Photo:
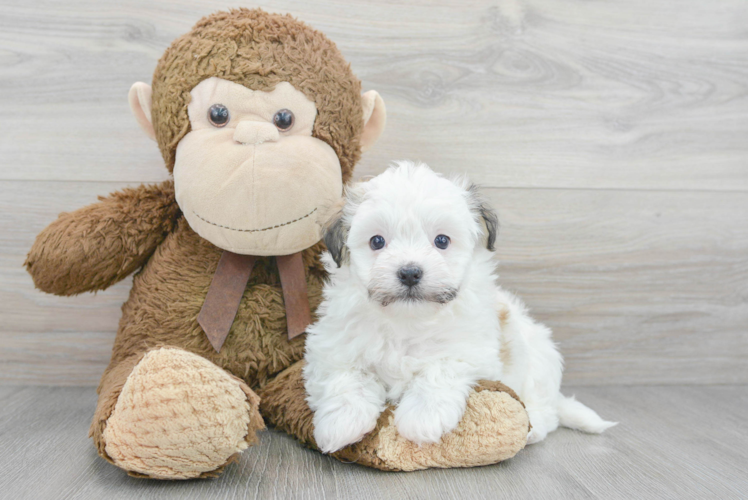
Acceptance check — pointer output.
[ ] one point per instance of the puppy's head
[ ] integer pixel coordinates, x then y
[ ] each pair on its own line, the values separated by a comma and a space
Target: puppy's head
409, 234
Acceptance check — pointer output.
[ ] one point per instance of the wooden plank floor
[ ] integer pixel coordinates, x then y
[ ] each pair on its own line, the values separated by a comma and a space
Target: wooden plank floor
673, 442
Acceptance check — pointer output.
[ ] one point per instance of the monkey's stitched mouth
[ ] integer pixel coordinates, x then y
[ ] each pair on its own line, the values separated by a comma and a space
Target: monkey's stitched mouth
254, 230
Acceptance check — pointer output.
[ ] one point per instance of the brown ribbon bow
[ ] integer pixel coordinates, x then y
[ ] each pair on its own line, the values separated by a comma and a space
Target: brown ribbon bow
227, 288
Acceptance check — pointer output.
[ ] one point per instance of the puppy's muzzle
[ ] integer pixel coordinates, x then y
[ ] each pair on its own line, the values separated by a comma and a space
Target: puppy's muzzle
410, 275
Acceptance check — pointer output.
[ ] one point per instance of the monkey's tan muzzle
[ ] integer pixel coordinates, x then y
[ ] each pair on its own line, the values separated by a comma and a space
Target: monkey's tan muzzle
254, 132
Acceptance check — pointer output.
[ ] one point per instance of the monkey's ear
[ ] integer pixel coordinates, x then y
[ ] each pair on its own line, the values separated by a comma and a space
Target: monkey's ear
335, 236
375, 117
485, 213
140, 105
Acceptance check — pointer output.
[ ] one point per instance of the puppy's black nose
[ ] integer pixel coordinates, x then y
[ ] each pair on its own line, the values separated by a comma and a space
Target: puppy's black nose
410, 275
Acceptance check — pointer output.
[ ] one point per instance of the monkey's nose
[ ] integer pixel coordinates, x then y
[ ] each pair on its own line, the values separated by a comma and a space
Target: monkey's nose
251, 132
409, 275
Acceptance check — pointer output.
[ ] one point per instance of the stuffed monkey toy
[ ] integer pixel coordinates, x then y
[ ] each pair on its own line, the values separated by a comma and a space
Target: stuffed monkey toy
261, 121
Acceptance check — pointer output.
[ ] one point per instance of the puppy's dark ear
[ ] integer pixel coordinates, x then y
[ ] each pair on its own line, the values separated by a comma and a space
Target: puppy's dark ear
335, 236
337, 226
492, 225
487, 214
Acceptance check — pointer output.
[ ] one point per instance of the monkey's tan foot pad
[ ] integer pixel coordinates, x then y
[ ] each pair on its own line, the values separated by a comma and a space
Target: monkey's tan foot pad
179, 416
494, 428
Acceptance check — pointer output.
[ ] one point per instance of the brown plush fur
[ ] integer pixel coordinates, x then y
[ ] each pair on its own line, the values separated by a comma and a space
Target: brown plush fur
259, 50
142, 228
95, 247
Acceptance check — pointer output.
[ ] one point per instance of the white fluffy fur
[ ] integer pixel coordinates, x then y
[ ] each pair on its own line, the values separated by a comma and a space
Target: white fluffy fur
372, 344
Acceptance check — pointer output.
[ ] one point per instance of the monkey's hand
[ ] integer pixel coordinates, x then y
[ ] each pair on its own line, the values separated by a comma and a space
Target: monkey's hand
98, 245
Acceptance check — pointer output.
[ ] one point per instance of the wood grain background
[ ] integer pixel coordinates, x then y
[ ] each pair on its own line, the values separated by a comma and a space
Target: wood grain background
612, 137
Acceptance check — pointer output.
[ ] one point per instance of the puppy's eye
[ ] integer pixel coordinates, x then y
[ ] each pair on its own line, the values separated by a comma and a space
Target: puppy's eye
283, 119
442, 241
218, 115
376, 242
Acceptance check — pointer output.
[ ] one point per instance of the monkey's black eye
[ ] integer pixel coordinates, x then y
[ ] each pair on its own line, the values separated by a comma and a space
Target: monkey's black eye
283, 119
376, 242
442, 241
218, 114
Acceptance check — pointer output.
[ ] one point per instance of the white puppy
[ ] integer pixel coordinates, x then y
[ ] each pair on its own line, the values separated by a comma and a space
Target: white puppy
413, 315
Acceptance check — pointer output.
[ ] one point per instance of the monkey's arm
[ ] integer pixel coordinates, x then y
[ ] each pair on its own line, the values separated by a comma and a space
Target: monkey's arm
98, 245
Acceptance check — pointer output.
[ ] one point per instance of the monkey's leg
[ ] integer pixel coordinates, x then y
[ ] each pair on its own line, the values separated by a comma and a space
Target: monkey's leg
494, 428
171, 414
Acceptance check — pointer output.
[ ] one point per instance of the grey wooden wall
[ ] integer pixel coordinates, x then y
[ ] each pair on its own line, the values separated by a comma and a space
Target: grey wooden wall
612, 137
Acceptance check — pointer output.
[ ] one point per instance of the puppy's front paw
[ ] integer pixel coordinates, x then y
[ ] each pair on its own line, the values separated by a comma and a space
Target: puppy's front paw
423, 423
344, 425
